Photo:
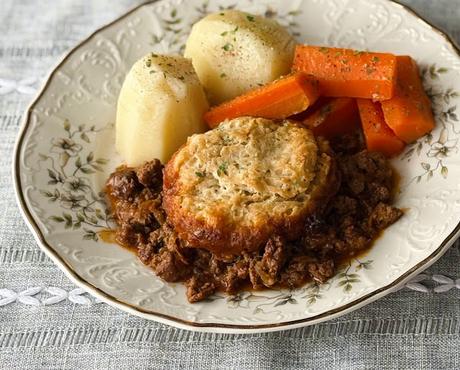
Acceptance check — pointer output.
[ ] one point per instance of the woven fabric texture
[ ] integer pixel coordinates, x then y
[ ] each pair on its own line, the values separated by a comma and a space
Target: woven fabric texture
47, 323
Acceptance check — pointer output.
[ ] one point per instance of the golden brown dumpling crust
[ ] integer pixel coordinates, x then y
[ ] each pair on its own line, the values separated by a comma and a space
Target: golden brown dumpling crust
231, 188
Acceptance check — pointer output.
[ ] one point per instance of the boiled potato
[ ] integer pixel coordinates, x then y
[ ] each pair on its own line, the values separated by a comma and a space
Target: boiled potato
161, 103
233, 52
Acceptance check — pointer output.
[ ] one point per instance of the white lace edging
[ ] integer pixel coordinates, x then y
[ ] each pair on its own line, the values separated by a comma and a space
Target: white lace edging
445, 283
24, 86
41, 296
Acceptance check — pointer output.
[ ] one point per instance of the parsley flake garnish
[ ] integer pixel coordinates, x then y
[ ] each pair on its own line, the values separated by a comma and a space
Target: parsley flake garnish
250, 18
370, 70
222, 169
227, 47
199, 174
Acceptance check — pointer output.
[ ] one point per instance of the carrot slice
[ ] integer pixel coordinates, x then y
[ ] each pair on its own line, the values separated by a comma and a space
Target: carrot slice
379, 137
279, 99
348, 73
333, 117
409, 112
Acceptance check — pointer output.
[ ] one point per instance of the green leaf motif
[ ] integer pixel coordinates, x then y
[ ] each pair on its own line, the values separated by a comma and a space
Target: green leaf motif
444, 171
87, 170
85, 137
90, 235
52, 174
63, 159
93, 219
56, 219
68, 220
173, 21
280, 303
102, 161
97, 168
354, 280
90, 157
99, 214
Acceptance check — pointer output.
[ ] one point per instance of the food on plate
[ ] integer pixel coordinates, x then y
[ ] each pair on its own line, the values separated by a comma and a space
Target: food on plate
378, 135
161, 103
280, 99
293, 177
409, 112
230, 189
347, 72
234, 52
332, 117
343, 227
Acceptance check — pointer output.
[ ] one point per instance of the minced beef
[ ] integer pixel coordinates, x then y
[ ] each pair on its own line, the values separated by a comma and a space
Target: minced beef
354, 217
151, 174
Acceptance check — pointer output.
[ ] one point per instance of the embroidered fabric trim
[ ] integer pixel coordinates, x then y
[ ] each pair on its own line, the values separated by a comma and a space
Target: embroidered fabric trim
23, 86
45, 296
40, 296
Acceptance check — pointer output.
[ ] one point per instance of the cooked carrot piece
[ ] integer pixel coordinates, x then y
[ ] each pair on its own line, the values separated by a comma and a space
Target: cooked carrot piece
279, 99
348, 73
379, 137
409, 112
333, 117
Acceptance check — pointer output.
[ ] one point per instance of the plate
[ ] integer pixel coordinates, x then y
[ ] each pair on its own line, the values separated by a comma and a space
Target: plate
65, 152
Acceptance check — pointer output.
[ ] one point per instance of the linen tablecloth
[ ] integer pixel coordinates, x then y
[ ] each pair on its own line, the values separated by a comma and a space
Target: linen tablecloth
47, 323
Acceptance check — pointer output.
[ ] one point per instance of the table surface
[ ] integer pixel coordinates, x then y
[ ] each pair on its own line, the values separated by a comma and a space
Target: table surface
46, 322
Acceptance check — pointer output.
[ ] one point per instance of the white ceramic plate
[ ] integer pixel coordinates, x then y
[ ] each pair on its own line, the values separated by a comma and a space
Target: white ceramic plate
65, 152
